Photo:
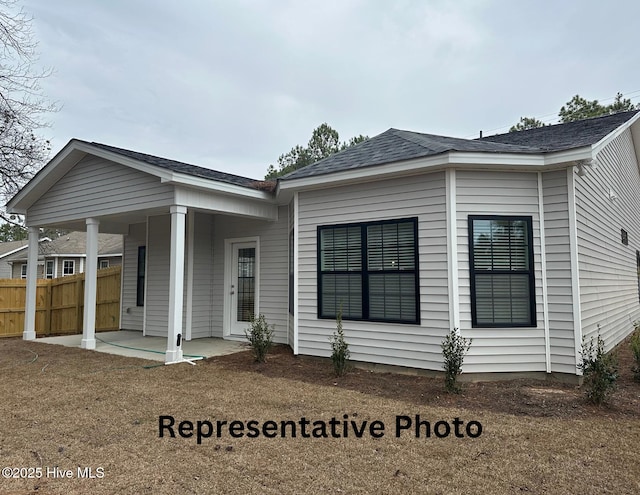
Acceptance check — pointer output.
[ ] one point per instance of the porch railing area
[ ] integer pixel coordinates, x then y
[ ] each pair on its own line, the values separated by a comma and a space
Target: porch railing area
60, 304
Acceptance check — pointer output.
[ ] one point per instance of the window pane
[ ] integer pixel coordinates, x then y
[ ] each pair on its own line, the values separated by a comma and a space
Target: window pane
391, 246
502, 299
500, 245
246, 284
340, 249
342, 291
392, 296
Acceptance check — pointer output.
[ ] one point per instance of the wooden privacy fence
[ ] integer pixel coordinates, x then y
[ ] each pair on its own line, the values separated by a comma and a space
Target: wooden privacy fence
60, 304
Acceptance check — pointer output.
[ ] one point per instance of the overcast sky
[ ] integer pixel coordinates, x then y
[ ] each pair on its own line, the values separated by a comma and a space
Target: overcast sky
231, 85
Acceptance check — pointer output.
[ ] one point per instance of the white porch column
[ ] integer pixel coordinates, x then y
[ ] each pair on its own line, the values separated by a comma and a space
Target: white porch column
90, 285
32, 280
176, 284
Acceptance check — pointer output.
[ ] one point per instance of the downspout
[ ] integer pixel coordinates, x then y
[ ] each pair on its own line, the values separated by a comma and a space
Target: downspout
296, 285
575, 267
543, 262
452, 249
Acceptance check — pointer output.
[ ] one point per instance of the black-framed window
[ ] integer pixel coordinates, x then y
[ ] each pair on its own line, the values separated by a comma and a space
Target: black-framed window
142, 257
369, 271
502, 271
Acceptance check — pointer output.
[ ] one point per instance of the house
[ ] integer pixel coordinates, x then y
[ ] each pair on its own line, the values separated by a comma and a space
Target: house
526, 242
9, 250
66, 255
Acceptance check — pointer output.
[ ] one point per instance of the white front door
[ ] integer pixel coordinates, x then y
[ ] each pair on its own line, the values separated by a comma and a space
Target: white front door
242, 276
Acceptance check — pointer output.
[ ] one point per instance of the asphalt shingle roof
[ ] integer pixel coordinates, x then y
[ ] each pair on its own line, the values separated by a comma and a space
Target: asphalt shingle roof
396, 145
8, 247
76, 243
565, 136
181, 167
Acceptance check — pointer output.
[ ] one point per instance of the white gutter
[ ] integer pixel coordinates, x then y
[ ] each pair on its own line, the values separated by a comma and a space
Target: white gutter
495, 161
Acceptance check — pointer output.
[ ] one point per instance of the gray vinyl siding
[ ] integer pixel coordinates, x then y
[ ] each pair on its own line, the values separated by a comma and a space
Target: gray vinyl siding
5, 269
424, 197
78, 261
558, 253
113, 260
202, 299
274, 271
98, 187
16, 270
157, 276
608, 277
132, 315
499, 193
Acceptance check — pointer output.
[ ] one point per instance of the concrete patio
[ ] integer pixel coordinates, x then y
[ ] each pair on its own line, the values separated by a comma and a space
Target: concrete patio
134, 344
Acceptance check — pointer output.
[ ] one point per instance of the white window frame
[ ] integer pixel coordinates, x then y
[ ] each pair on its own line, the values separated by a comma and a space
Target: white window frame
104, 264
23, 270
46, 269
73, 264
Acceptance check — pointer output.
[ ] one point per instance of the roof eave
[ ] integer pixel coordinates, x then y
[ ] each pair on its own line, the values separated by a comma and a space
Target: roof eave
76, 149
597, 147
499, 161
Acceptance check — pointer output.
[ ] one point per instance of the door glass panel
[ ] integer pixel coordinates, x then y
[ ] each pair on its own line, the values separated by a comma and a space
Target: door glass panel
246, 283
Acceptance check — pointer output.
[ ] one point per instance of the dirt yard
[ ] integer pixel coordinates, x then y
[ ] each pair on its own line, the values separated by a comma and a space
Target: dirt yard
77, 421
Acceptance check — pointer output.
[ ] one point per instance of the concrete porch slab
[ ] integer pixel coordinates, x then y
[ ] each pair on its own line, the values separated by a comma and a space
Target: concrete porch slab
133, 344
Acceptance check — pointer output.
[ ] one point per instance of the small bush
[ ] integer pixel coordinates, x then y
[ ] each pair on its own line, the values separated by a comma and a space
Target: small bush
260, 336
339, 348
454, 348
635, 350
600, 371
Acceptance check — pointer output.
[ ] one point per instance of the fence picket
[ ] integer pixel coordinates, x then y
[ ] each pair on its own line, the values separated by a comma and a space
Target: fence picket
59, 304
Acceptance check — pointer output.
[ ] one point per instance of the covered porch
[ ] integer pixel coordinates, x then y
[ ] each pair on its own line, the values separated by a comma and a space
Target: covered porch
187, 232
133, 344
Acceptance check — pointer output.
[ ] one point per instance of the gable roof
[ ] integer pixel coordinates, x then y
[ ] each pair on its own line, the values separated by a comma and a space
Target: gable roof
75, 243
180, 167
396, 145
11, 247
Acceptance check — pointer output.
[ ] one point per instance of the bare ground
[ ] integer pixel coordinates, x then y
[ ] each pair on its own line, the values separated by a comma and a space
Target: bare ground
68, 409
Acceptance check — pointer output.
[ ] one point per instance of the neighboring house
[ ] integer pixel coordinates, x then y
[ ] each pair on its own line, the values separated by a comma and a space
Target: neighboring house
8, 251
66, 255
526, 242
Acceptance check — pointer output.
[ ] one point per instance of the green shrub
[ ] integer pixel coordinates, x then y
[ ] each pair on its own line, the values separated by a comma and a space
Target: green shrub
635, 350
454, 348
260, 336
339, 348
600, 371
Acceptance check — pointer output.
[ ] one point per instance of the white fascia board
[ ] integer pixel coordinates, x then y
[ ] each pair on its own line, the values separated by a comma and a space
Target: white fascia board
59, 165
497, 161
224, 203
124, 160
216, 186
64, 161
597, 147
